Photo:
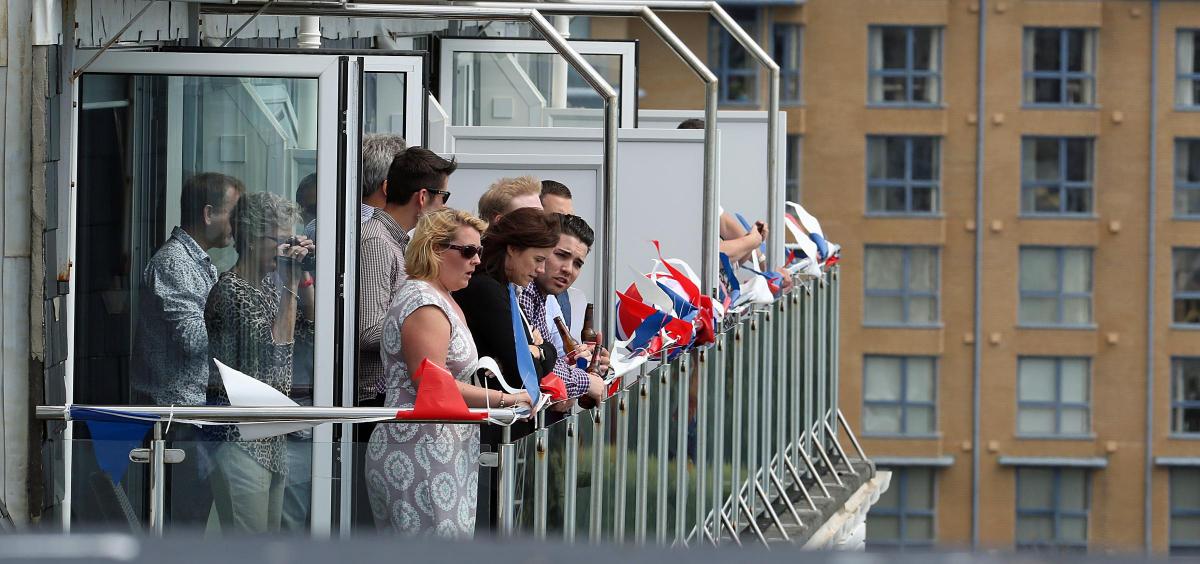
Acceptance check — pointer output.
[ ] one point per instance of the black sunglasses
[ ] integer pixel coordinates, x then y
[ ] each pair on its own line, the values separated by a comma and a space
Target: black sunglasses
443, 193
468, 252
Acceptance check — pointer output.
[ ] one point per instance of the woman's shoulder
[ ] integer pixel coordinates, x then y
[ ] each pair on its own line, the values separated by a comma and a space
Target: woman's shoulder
414, 294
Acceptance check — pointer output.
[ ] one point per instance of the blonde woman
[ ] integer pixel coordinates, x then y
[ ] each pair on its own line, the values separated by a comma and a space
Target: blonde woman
423, 479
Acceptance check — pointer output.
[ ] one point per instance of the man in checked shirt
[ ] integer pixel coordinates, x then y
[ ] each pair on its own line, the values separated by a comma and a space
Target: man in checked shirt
562, 269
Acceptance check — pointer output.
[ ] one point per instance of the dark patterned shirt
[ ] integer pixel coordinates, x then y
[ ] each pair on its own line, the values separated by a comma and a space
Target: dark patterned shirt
171, 343
533, 302
240, 317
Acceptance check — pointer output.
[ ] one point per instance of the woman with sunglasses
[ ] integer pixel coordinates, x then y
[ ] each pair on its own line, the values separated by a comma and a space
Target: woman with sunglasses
422, 479
255, 315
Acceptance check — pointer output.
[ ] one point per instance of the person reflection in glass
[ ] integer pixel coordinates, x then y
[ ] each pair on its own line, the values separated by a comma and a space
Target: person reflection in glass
255, 314
170, 360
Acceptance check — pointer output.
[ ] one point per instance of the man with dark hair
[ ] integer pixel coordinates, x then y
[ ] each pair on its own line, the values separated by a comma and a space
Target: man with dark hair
691, 123
416, 184
171, 360
556, 198
552, 287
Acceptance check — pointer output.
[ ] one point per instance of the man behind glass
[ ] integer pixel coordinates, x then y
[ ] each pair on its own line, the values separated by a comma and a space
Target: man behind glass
171, 365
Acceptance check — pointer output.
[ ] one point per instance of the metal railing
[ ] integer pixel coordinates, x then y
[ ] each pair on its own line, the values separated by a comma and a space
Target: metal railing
734, 440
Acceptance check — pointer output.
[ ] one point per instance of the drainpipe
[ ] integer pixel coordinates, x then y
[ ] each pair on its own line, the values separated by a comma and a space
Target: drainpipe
309, 37
1151, 244
558, 81
977, 366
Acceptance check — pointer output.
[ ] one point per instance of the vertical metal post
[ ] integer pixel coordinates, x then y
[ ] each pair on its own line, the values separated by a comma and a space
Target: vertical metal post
541, 478
810, 385
753, 398
664, 438
835, 285
783, 375
622, 470
596, 509
796, 346
739, 376
158, 481
508, 481
681, 447
571, 488
643, 458
704, 373
822, 367
718, 455
767, 396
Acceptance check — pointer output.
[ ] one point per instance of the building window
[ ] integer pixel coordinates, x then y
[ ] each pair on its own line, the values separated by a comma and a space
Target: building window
1187, 178
1185, 395
1056, 176
787, 39
1187, 68
795, 156
1052, 508
901, 285
1185, 511
1053, 396
1056, 286
1060, 66
905, 65
903, 174
1185, 285
899, 395
903, 516
736, 70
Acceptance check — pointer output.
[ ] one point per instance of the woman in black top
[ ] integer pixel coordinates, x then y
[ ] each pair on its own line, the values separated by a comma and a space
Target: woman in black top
515, 249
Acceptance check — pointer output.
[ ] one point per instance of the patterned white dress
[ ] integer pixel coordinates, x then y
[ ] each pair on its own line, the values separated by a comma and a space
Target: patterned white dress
423, 479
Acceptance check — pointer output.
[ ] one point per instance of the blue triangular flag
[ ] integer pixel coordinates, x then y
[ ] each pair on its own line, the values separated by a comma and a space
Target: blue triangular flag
529, 375
113, 436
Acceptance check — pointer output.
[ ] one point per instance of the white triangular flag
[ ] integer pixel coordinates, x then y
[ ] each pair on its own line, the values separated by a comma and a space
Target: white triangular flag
244, 391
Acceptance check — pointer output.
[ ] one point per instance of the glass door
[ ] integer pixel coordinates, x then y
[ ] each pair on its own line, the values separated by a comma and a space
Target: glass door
191, 170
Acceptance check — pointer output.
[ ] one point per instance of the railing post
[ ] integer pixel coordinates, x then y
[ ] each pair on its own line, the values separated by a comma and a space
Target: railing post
571, 488
718, 456
681, 447
541, 478
622, 470
158, 480
643, 458
508, 481
663, 436
753, 397
703, 373
596, 509
735, 466
767, 395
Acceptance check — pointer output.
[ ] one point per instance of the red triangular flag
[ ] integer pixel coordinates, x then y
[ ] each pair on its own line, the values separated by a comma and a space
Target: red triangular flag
554, 386
689, 287
438, 396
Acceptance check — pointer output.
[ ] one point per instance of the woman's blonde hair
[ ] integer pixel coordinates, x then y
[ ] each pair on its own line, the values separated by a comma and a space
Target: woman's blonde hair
434, 229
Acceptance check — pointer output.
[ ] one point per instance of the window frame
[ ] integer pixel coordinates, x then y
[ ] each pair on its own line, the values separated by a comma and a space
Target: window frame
1182, 184
1182, 76
1060, 184
1059, 294
721, 42
790, 69
1057, 404
900, 477
794, 177
905, 293
903, 403
1178, 405
908, 73
1185, 547
1062, 75
1176, 294
907, 183
1055, 512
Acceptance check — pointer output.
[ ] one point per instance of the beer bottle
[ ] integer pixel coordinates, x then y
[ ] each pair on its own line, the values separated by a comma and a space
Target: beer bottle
569, 345
587, 334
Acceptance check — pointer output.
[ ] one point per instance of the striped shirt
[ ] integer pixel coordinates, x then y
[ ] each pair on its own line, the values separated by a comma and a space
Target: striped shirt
380, 274
533, 302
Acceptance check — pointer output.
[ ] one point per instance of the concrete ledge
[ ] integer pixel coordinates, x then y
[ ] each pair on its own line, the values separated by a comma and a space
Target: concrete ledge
844, 529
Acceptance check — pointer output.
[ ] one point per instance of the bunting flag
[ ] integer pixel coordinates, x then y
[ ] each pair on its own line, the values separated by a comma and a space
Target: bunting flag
246, 391
690, 290
525, 366
438, 396
631, 312
554, 387
681, 306
647, 331
113, 436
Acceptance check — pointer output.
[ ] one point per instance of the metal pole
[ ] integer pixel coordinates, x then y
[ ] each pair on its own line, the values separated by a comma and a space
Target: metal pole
752, 419
541, 478
596, 507
775, 198
508, 479
681, 450
663, 435
643, 458
718, 455
767, 396
704, 372
622, 471
571, 488
158, 481
735, 466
